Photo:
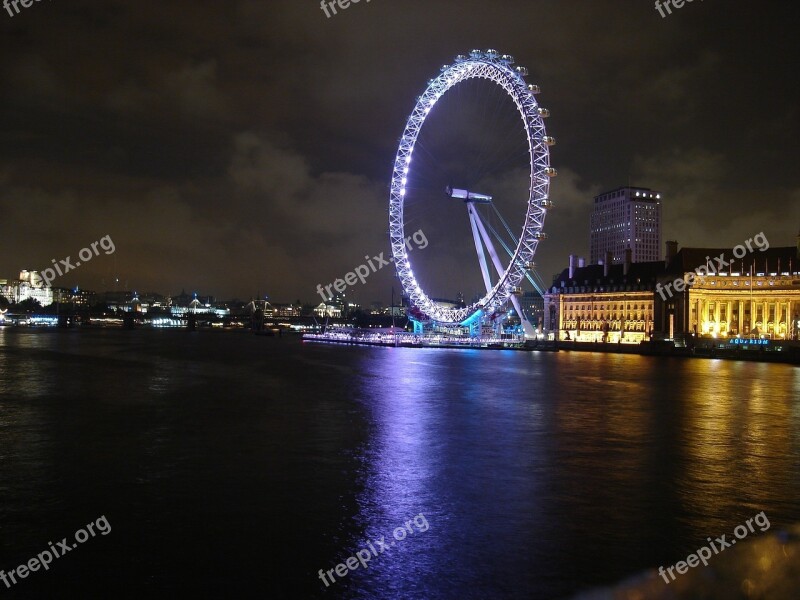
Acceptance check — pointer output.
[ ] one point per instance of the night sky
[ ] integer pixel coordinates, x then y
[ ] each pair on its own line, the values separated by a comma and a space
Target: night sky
242, 147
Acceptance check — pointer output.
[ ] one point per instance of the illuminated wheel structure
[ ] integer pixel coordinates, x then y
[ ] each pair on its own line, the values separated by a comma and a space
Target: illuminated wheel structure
499, 69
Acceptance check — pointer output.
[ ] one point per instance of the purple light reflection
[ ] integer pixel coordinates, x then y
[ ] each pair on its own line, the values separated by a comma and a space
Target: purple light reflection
434, 449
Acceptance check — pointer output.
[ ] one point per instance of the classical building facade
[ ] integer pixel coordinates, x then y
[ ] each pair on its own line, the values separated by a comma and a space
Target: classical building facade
703, 292
603, 303
328, 310
756, 295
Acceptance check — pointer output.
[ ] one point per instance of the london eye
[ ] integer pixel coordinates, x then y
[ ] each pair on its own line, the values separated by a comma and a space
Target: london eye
505, 241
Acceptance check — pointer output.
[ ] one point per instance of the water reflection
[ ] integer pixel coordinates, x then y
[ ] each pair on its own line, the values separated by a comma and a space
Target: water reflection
538, 474
738, 442
441, 446
583, 465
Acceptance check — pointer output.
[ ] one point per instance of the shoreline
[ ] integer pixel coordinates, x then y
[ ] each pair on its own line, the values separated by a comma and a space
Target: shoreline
786, 353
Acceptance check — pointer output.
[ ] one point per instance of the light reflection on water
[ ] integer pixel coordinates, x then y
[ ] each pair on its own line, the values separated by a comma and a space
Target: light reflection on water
539, 474
740, 442
532, 469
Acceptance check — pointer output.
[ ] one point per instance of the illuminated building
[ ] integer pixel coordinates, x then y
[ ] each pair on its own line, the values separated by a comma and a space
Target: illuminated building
30, 285
287, 310
328, 310
75, 296
628, 217
603, 302
532, 305
127, 301
757, 295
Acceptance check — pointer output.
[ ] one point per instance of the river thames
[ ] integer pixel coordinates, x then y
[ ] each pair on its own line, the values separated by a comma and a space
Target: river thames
230, 465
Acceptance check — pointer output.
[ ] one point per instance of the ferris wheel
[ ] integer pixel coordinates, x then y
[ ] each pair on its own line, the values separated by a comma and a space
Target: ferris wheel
503, 282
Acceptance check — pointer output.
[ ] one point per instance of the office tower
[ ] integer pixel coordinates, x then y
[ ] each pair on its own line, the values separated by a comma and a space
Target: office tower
626, 217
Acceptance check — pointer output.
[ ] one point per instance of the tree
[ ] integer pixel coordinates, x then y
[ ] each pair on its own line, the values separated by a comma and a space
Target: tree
30, 305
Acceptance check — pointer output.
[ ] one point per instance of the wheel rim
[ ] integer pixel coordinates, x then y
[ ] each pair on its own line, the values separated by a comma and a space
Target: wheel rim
498, 69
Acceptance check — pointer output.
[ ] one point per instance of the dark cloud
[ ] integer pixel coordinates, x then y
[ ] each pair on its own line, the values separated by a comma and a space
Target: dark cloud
246, 146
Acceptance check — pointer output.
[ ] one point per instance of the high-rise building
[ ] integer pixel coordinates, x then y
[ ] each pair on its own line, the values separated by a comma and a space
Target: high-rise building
627, 217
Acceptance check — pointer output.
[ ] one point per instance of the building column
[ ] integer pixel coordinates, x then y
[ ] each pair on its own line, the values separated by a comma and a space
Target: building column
729, 316
698, 312
701, 314
785, 311
740, 322
703, 311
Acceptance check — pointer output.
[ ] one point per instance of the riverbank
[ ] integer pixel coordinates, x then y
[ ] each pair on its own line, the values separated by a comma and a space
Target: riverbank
764, 351
779, 352
408, 340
